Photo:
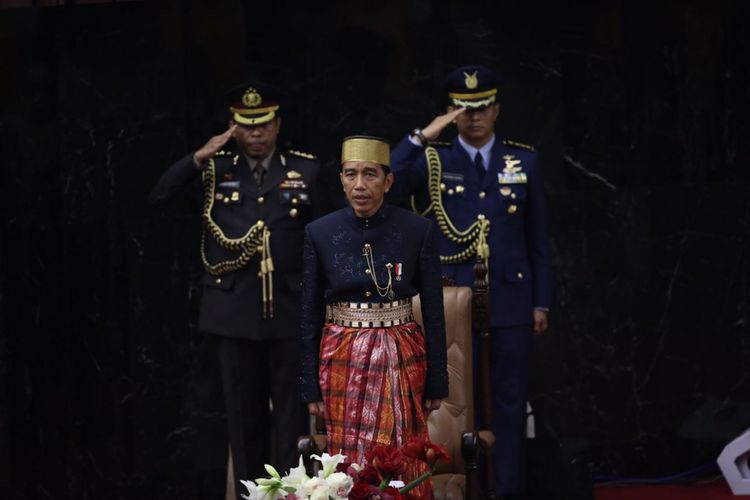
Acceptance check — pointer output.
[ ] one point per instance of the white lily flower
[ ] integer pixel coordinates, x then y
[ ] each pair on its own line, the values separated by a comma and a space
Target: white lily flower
319, 494
330, 462
270, 489
314, 483
339, 485
252, 490
296, 476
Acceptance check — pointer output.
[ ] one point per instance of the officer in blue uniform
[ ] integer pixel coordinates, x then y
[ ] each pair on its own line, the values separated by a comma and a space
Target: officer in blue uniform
487, 196
256, 203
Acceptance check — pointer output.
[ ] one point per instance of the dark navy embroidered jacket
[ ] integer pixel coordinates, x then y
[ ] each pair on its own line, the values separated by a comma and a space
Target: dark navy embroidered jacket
334, 271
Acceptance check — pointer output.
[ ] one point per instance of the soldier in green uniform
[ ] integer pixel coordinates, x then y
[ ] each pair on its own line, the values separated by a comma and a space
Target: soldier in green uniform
256, 203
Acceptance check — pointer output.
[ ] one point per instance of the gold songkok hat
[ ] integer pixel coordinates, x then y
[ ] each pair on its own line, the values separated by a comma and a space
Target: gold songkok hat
253, 103
366, 148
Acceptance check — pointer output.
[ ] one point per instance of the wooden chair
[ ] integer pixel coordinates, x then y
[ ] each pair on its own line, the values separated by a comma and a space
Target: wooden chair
452, 426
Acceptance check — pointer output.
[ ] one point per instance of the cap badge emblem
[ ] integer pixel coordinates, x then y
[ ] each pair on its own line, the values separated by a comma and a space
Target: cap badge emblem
251, 98
293, 174
471, 80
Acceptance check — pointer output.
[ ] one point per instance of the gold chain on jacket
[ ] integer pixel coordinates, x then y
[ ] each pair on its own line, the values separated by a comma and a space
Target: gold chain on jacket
383, 291
257, 238
474, 237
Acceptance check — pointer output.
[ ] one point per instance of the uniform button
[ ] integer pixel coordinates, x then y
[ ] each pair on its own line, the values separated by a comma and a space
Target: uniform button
482, 194
450, 191
295, 201
459, 189
293, 213
442, 186
512, 209
261, 200
367, 294
219, 196
520, 276
226, 199
505, 191
513, 195
367, 271
218, 281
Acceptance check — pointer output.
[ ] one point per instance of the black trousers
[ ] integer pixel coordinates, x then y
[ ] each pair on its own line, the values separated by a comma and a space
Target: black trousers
251, 373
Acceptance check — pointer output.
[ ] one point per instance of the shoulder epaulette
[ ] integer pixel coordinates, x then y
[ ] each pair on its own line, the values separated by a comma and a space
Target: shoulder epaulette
302, 154
521, 145
440, 144
224, 153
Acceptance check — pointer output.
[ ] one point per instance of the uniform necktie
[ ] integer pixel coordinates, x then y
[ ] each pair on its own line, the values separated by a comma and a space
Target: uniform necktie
259, 172
479, 165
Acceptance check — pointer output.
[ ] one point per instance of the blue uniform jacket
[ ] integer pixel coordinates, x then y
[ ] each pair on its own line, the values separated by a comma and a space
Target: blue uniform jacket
519, 263
334, 271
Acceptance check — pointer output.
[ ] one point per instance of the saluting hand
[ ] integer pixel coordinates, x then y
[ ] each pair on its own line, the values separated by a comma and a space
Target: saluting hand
214, 145
432, 131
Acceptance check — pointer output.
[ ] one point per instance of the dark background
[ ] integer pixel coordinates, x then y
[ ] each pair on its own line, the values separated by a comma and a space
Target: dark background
640, 110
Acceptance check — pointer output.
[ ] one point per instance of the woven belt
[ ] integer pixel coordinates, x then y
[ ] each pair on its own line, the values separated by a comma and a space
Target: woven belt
372, 315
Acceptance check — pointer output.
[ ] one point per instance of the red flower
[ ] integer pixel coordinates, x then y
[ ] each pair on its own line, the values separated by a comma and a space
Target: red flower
363, 491
369, 475
421, 448
387, 460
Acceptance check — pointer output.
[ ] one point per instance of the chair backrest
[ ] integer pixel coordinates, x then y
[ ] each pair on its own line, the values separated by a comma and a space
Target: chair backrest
456, 414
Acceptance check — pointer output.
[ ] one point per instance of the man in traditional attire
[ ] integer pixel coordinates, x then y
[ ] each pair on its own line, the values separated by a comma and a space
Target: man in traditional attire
367, 367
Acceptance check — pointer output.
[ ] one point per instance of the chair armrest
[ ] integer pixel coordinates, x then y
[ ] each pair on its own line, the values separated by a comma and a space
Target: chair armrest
470, 450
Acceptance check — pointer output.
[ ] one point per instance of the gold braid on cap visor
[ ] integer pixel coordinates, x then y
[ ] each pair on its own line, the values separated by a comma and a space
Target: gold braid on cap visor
253, 118
363, 149
462, 99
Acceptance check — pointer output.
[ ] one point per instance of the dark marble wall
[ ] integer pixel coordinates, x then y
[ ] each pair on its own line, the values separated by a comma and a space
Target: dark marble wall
640, 111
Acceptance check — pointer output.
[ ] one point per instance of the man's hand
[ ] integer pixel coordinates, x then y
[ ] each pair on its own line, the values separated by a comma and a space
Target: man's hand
431, 405
432, 131
317, 409
214, 145
540, 321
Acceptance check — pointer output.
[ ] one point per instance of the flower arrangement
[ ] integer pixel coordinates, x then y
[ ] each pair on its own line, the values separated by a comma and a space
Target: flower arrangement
341, 480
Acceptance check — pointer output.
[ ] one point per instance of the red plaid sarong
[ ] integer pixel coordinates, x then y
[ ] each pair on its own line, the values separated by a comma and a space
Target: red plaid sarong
373, 387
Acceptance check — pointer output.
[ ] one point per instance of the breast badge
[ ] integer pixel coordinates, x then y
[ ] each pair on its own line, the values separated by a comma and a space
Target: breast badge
512, 173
